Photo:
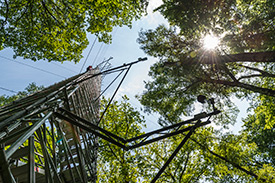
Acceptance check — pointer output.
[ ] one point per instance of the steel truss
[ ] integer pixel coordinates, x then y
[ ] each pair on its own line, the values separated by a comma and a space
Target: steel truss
51, 136
144, 139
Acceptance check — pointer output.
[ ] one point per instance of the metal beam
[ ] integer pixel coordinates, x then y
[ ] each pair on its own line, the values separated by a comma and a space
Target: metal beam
31, 158
48, 158
12, 136
168, 135
196, 117
67, 149
175, 152
89, 129
113, 69
5, 171
93, 126
26, 135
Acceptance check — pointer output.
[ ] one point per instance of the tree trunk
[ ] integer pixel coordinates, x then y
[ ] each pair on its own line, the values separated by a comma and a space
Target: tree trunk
268, 56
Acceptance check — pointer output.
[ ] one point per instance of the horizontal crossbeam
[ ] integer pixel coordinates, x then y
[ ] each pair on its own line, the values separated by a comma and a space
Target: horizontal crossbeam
121, 142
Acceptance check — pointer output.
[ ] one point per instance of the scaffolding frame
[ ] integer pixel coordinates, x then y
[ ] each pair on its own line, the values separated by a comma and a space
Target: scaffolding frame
52, 135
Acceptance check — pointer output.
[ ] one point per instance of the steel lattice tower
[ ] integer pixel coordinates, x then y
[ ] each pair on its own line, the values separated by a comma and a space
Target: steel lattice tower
51, 135
36, 146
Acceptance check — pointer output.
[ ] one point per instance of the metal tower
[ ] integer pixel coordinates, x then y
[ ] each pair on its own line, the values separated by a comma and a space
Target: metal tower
38, 146
51, 136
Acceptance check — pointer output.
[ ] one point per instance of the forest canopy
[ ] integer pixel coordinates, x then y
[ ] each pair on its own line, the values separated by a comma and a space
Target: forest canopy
240, 65
57, 30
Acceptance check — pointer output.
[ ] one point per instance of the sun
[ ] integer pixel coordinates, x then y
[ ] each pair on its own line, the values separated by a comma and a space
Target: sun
210, 42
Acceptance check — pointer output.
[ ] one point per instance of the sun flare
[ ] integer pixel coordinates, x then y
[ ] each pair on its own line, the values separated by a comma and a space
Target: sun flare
210, 42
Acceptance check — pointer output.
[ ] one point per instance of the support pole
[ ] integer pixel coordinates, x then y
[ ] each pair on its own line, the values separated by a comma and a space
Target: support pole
47, 157
26, 135
5, 171
31, 175
175, 152
67, 148
77, 143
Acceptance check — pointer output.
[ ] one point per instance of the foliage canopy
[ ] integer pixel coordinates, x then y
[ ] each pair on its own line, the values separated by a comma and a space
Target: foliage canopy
114, 163
56, 30
241, 67
185, 70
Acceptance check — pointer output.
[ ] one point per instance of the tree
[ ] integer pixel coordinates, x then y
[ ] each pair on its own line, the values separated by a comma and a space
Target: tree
30, 89
242, 67
56, 30
197, 160
208, 154
246, 22
114, 163
259, 129
186, 70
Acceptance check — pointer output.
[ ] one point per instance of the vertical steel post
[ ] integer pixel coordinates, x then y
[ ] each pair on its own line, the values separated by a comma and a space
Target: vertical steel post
68, 162
5, 171
42, 139
47, 157
31, 158
53, 141
80, 158
64, 141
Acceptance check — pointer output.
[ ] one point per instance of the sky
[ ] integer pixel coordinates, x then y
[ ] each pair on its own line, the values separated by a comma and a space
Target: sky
17, 73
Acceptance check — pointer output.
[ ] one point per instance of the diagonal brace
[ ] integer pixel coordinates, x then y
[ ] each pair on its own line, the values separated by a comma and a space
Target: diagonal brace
175, 152
89, 128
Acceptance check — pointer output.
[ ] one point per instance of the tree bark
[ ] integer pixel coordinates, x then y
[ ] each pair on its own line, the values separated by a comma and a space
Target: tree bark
268, 56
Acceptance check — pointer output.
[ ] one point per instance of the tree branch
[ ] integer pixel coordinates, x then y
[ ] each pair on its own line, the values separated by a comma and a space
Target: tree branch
251, 76
22, 14
188, 87
268, 56
6, 17
57, 9
226, 160
48, 11
264, 91
185, 166
112, 151
264, 73
224, 67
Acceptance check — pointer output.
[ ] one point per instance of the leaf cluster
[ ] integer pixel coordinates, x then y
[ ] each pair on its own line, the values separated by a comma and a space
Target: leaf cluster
30, 89
56, 30
114, 163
